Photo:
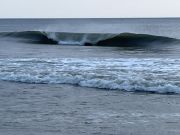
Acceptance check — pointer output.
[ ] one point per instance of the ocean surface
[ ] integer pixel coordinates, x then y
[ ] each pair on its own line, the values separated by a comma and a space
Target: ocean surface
90, 76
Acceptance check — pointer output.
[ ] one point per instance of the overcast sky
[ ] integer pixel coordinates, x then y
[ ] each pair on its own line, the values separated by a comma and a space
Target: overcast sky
89, 8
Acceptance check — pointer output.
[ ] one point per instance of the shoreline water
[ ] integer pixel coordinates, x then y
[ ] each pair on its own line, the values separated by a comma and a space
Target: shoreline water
63, 109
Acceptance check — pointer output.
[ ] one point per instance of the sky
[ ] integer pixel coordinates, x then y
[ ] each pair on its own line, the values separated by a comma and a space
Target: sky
89, 8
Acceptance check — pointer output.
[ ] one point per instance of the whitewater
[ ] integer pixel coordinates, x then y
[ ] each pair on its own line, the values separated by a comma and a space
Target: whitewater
149, 75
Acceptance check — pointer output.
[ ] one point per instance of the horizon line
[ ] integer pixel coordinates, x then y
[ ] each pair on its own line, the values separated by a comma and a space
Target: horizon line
90, 18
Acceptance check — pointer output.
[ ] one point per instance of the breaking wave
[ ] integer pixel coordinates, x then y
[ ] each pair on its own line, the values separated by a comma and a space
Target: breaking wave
99, 39
150, 75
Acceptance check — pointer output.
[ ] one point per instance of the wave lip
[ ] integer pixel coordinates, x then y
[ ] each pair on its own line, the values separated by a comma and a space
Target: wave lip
98, 39
148, 75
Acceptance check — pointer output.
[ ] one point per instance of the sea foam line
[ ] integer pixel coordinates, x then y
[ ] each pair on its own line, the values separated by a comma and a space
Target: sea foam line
129, 74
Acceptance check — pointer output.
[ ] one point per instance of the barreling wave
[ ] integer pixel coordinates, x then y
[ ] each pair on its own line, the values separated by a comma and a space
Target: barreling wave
149, 75
97, 39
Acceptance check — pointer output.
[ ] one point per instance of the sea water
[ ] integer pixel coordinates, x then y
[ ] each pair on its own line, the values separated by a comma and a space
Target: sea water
89, 76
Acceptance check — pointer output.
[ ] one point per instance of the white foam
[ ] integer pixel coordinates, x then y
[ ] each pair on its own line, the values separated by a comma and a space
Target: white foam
155, 75
77, 38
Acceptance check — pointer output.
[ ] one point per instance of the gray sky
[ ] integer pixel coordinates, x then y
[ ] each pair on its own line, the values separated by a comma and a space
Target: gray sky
89, 8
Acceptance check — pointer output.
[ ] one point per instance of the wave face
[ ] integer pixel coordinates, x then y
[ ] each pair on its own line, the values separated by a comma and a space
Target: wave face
99, 39
131, 74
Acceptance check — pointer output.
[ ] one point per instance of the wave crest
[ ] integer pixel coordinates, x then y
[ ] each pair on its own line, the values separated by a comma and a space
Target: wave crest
99, 39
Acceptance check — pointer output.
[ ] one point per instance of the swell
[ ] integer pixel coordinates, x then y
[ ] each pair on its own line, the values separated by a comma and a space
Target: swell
97, 39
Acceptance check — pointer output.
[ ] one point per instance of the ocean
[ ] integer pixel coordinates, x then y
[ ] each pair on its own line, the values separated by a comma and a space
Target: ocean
90, 76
